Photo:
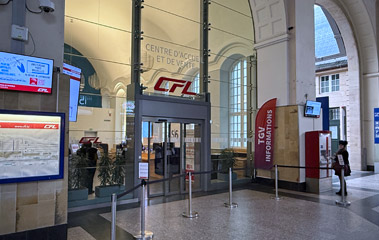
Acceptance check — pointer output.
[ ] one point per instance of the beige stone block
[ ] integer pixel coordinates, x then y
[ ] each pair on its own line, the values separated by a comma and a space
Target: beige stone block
46, 190
27, 217
60, 184
7, 212
46, 213
61, 206
8, 188
27, 193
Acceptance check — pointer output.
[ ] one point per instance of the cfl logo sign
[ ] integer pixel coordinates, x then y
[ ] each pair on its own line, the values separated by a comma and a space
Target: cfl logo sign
50, 126
176, 84
42, 90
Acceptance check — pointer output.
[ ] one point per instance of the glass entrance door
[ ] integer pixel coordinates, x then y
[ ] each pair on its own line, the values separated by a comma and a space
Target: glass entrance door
171, 147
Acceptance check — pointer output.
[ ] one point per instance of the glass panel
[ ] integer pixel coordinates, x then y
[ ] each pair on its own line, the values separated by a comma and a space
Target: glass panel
324, 84
170, 49
325, 41
173, 156
231, 41
97, 41
157, 156
192, 146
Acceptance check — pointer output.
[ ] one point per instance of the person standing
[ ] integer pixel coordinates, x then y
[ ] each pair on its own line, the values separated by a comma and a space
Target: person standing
337, 167
90, 153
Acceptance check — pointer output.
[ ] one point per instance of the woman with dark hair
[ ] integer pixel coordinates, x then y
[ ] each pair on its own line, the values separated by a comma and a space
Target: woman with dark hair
342, 153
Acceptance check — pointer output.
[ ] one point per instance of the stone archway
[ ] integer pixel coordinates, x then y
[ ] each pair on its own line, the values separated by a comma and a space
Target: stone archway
353, 103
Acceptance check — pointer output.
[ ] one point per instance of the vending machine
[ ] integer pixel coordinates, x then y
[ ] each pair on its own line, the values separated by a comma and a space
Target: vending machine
318, 154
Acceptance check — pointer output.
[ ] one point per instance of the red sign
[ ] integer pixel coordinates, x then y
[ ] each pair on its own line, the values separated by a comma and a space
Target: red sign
89, 139
24, 125
176, 84
24, 88
264, 135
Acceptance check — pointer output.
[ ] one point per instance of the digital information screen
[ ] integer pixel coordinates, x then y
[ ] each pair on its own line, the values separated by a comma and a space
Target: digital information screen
312, 109
24, 73
74, 74
31, 146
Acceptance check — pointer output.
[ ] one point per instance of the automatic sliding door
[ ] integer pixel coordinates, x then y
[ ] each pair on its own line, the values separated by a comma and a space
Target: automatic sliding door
171, 149
154, 146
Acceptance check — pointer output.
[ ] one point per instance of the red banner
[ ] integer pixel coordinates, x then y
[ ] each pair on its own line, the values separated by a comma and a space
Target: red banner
25, 125
25, 88
264, 135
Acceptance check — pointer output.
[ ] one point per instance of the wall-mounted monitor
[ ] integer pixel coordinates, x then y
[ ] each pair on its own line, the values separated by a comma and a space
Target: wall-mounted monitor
74, 74
312, 109
24, 73
31, 146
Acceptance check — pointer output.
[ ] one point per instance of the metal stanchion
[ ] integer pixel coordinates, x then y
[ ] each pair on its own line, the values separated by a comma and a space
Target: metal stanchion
343, 201
113, 220
277, 198
231, 204
190, 213
144, 234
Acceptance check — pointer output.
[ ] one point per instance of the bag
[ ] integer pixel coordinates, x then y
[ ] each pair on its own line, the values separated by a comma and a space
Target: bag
347, 170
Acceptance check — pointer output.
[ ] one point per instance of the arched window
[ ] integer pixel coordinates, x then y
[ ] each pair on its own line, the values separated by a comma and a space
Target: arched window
329, 46
195, 86
238, 104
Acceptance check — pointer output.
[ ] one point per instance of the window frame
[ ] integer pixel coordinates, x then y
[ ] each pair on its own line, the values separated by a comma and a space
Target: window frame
238, 104
331, 84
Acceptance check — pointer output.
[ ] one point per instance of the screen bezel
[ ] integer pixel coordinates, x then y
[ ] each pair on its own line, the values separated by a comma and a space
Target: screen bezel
308, 103
52, 74
60, 175
77, 100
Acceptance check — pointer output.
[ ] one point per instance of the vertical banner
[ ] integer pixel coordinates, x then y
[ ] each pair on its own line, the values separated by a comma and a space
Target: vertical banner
264, 135
376, 125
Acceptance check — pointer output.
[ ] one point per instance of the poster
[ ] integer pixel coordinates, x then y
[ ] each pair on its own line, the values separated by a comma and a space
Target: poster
31, 146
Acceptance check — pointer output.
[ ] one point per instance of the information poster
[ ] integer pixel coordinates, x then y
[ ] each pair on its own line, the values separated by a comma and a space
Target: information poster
30, 147
24, 73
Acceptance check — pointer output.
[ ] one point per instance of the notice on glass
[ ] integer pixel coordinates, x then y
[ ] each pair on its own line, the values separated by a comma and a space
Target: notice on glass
29, 148
143, 172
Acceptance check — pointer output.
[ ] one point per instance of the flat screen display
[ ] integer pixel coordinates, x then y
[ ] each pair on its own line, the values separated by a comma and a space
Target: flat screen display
74, 74
312, 109
31, 146
24, 73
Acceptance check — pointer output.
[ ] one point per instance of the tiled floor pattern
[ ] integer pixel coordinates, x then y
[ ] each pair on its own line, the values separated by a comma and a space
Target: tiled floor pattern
296, 216
257, 217
79, 233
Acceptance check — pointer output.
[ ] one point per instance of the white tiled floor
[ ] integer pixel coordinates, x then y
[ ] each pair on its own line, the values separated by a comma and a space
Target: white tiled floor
258, 216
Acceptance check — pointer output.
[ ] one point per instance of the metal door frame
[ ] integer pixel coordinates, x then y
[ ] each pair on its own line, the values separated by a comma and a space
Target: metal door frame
166, 121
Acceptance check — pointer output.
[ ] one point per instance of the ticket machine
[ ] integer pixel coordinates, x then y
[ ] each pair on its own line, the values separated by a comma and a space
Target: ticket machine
318, 154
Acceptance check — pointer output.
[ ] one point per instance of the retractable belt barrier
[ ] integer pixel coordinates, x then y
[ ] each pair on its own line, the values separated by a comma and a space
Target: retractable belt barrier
343, 201
190, 214
285, 166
